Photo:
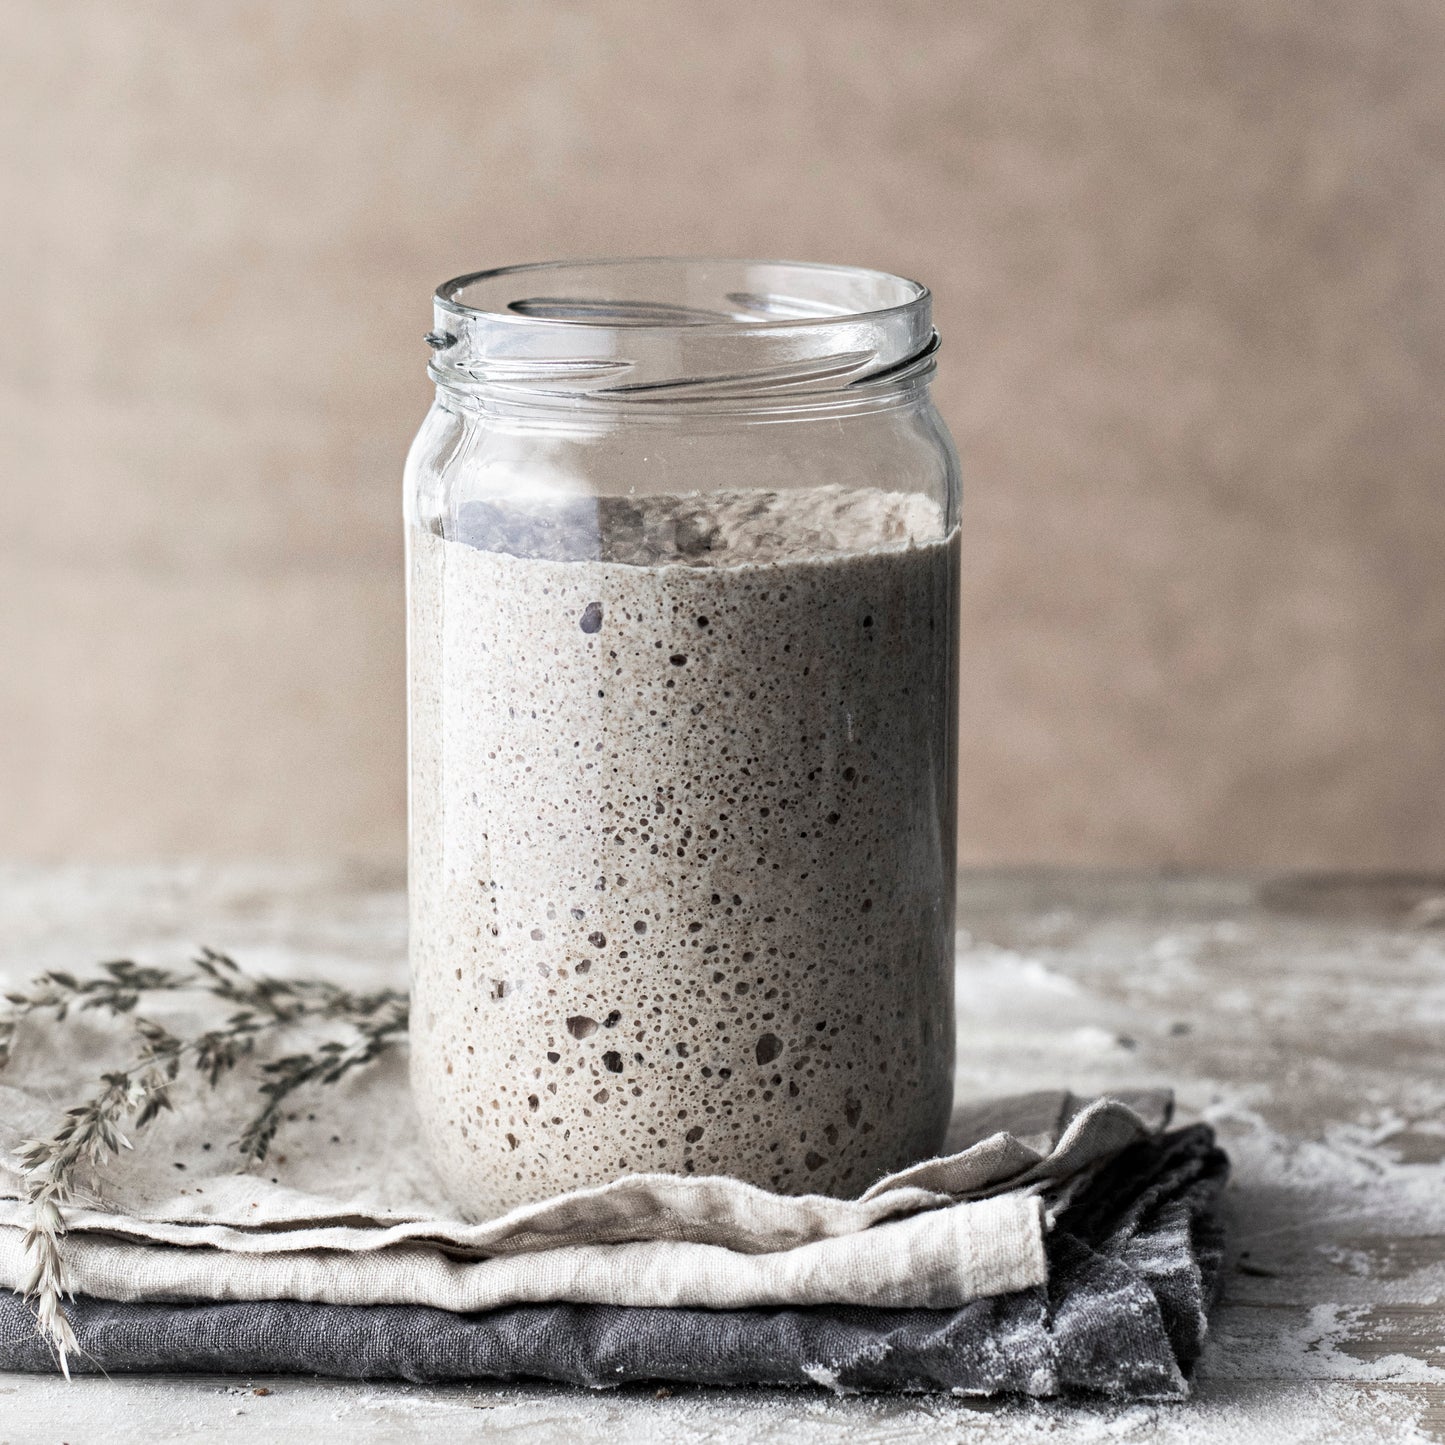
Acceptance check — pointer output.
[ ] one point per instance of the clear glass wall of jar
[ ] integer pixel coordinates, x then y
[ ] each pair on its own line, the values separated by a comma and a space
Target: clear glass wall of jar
683, 569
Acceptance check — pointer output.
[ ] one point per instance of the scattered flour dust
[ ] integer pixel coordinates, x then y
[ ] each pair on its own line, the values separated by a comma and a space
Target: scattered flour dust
139, 1408
1338, 1198
1318, 1349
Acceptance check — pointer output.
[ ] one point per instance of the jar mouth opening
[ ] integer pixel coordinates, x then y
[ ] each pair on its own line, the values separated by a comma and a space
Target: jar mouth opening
666, 293
663, 329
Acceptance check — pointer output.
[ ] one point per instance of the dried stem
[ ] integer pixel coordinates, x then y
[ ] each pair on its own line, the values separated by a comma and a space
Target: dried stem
90, 1132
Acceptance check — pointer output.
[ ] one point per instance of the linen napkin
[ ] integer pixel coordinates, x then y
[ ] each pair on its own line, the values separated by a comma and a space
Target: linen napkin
1134, 1263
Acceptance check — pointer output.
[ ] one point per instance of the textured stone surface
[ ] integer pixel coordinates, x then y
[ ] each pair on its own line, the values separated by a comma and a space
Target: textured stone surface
1301, 1017
1189, 262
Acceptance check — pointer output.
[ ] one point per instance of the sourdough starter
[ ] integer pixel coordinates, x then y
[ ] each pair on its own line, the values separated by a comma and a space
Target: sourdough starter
682, 841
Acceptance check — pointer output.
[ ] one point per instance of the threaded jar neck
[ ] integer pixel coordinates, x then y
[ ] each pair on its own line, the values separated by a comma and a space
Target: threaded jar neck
710, 334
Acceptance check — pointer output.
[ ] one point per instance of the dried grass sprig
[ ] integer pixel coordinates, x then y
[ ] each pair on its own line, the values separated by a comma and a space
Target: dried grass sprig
116, 990
90, 1134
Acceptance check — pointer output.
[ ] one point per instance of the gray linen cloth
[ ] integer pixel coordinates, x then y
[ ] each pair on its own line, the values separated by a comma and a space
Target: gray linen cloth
1133, 1263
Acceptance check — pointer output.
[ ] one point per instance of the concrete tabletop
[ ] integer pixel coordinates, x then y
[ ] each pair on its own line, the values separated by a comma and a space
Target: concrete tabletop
1304, 1018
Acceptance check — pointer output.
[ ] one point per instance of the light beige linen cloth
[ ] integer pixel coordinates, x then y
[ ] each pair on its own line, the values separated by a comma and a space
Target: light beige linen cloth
348, 1211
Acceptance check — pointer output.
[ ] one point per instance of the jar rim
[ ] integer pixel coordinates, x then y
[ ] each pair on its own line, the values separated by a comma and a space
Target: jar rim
653, 313
660, 328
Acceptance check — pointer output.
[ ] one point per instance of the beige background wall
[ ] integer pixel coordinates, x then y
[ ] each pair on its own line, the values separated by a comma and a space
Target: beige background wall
1190, 269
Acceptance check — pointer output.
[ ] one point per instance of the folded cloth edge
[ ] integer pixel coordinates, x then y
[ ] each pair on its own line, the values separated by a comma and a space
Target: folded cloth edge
938, 1259
1133, 1270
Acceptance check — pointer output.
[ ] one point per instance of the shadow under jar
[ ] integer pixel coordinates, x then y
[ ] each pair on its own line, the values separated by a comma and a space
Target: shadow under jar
683, 570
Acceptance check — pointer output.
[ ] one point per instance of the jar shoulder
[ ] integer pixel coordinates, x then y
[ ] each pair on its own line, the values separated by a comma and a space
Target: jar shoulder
461, 456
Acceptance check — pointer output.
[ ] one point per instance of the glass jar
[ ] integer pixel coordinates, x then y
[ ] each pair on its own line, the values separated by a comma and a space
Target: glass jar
683, 574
